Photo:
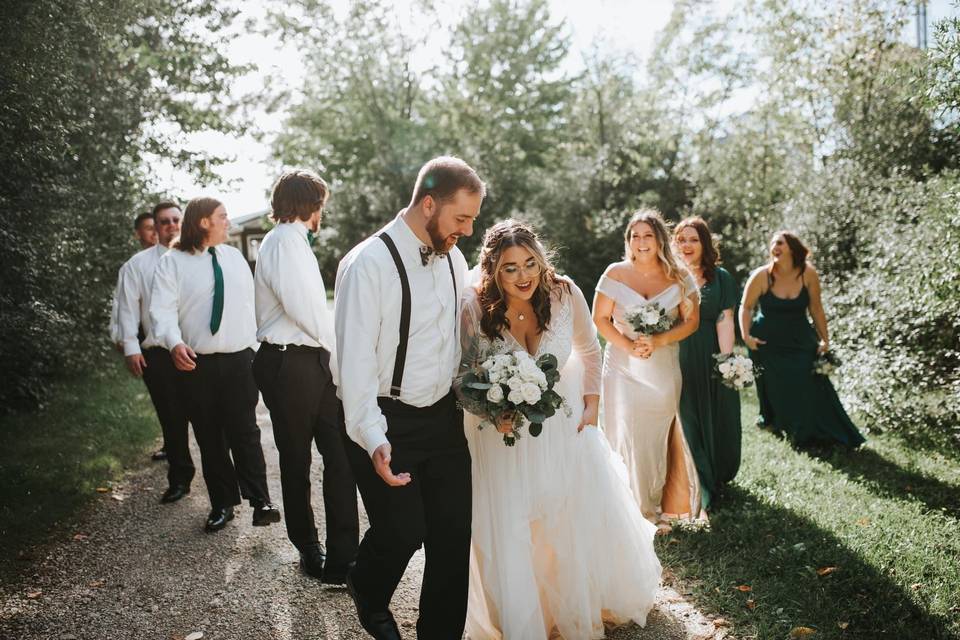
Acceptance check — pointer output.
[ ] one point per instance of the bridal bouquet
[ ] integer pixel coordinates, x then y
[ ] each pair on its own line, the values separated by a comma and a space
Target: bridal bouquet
648, 319
735, 370
513, 384
825, 363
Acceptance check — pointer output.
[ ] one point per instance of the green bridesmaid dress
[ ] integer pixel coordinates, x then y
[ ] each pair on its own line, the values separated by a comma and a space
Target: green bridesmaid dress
709, 411
792, 399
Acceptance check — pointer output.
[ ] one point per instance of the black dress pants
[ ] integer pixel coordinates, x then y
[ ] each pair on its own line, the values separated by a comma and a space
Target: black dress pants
298, 389
160, 376
221, 398
433, 510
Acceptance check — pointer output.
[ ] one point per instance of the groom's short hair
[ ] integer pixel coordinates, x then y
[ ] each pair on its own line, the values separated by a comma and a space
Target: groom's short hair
441, 178
297, 195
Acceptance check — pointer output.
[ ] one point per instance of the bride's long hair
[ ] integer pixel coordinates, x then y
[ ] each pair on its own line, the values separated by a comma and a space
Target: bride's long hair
497, 239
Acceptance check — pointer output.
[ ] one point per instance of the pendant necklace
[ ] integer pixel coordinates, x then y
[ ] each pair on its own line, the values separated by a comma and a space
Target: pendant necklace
520, 316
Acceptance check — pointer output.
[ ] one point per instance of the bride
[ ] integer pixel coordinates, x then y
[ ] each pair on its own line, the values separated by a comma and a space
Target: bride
560, 548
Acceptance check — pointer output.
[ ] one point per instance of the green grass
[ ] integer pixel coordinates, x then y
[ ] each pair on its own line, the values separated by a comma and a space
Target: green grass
886, 517
52, 460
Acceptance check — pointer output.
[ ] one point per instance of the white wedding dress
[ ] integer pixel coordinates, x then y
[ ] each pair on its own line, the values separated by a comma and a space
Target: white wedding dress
559, 545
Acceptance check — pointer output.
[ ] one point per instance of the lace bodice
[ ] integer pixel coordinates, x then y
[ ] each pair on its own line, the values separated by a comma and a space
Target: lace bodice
571, 332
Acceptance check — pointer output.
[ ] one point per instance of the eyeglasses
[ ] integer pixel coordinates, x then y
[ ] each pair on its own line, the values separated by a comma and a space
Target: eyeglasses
168, 221
512, 272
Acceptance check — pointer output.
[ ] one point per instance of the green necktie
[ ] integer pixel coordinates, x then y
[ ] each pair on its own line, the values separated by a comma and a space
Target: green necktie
217, 314
311, 238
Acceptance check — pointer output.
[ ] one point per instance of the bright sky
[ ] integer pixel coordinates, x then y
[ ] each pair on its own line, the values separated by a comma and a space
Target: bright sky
631, 25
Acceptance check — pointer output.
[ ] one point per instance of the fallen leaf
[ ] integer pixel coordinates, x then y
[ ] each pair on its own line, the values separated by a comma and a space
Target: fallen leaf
103, 489
825, 571
745, 588
751, 604
196, 635
118, 497
80, 536
802, 632
721, 622
34, 594
917, 586
96, 584
863, 522
843, 625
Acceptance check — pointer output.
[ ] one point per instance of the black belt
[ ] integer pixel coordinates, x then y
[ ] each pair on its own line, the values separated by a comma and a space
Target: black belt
296, 348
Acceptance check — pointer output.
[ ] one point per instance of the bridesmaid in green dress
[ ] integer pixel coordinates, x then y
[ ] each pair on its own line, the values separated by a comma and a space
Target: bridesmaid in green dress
792, 399
709, 411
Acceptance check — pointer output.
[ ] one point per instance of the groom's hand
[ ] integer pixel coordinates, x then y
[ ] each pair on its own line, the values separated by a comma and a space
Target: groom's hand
381, 464
184, 357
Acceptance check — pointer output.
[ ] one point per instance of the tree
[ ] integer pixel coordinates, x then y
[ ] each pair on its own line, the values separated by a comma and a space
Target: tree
84, 85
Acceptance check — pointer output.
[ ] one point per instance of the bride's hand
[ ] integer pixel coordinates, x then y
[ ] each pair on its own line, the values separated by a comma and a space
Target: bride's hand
505, 423
589, 419
645, 344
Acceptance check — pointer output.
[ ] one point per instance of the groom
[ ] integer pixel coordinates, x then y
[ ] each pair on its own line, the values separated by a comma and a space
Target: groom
395, 365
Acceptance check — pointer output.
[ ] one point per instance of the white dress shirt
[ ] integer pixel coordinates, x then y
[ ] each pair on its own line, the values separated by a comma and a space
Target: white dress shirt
291, 299
133, 299
367, 318
181, 303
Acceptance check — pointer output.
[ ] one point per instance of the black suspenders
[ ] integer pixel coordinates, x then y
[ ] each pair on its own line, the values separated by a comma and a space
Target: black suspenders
405, 305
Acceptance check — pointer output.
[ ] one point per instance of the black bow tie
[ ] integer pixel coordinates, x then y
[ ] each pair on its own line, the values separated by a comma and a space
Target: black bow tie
429, 253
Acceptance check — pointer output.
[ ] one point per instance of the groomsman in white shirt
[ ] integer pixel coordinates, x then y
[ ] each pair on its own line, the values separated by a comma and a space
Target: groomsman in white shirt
292, 369
394, 368
144, 228
202, 310
144, 355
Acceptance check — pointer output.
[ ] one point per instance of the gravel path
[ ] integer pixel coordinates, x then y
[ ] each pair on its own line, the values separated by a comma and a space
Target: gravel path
133, 568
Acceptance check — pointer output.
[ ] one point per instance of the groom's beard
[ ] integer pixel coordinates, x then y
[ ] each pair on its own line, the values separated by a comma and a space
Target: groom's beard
441, 244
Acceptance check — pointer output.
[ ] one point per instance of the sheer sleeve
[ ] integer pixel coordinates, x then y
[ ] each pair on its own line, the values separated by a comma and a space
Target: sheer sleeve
585, 342
470, 345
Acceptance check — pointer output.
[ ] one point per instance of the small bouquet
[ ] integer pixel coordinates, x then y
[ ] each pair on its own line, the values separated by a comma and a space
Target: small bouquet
825, 363
514, 384
735, 370
648, 319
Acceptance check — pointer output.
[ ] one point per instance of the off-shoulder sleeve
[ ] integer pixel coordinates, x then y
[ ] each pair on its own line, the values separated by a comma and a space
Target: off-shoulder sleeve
585, 341
606, 284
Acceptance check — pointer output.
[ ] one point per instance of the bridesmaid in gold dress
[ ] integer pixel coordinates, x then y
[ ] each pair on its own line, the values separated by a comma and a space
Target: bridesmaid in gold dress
641, 374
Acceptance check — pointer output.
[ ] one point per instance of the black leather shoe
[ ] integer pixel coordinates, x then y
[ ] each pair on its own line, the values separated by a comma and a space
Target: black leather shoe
335, 574
379, 624
265, 514
312, 560
158, 455
218, 518
174, 493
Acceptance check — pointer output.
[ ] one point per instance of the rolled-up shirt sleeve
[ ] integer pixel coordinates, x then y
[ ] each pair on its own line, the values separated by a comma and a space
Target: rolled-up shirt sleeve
164, 301
357, 323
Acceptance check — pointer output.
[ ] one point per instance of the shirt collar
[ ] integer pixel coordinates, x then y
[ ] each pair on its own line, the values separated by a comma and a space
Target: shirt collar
296, 225
406, 240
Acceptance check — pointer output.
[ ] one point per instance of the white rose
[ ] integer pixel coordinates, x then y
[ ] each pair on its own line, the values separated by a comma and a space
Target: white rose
503, 360
529, 371
748, 377
651, 315
725, 368
531, 393
495, 393
515, 383
495, 376
515, 397
747, 363
488, 365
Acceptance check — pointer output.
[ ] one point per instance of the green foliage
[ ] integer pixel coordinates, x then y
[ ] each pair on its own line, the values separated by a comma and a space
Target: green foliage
52, 460
868, 540
85, 87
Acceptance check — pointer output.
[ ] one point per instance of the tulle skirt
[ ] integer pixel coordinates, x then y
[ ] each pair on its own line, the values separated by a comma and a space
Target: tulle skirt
559, 544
